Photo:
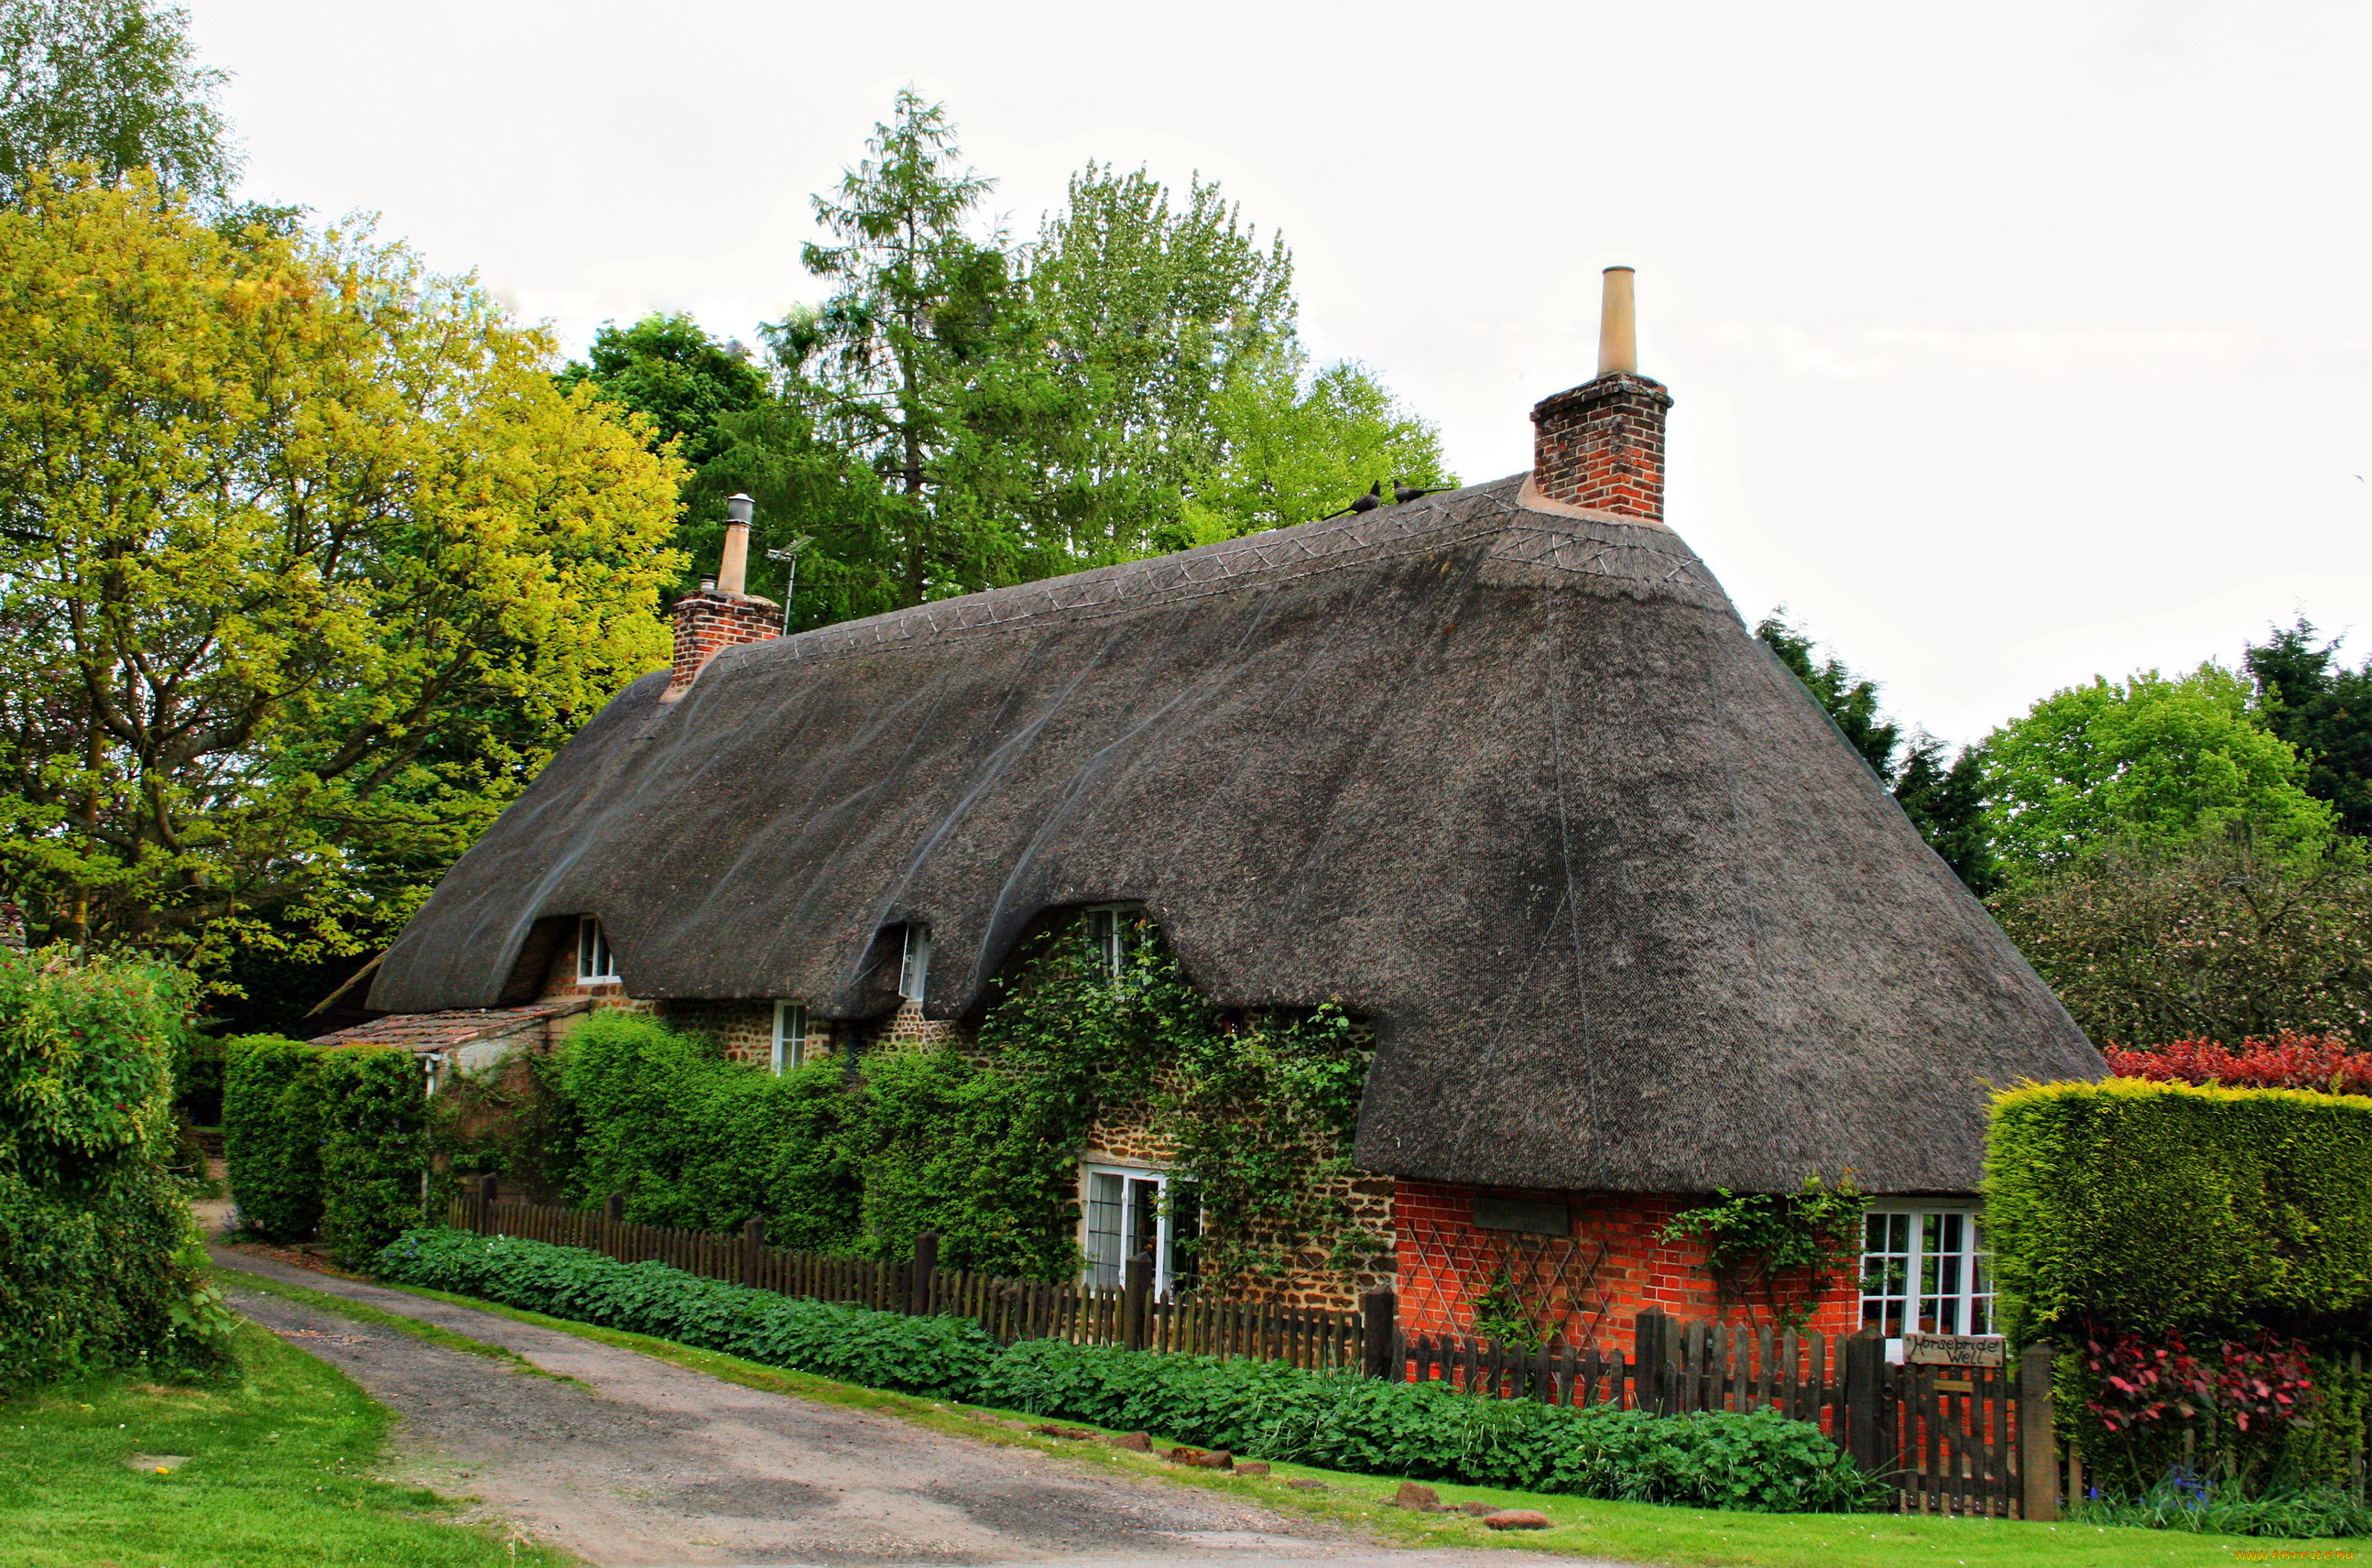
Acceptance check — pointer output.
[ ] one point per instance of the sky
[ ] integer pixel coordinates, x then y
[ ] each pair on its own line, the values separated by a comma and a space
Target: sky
2011, 345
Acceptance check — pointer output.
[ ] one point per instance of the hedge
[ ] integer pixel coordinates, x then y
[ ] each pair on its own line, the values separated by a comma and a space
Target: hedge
938, 1357
272, 1133
2162, 1207
99, 1261
1762, 1462
327, 1141
373, 1149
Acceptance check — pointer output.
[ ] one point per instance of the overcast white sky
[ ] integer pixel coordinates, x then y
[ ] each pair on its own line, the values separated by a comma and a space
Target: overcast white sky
2011, 343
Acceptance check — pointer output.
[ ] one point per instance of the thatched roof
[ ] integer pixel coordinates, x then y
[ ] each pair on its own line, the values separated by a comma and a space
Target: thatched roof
1512, 780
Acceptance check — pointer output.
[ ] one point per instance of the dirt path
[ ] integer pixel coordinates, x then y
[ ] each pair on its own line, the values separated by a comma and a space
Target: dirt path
641, 1462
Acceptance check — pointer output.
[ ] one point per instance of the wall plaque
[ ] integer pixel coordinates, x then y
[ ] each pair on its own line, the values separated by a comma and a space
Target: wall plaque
1530, 1214
1955, 1350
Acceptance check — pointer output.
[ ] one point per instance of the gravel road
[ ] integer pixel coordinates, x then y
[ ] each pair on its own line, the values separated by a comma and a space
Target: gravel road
640, 1463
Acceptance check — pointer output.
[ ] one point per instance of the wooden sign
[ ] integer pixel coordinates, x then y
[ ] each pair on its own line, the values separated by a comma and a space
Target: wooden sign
1955, 1350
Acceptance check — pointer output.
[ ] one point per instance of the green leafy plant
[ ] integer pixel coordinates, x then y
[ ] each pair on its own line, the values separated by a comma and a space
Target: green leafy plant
97, 1264
373, 1149
1791, 1247
1503, 1316
1268, 1410
273, 1135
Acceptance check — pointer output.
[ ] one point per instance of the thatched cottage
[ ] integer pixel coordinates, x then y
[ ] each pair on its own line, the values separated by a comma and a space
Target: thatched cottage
1500, 770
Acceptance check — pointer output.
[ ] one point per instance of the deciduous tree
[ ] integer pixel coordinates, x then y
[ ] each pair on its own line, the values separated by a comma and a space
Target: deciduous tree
114, 84
306, 566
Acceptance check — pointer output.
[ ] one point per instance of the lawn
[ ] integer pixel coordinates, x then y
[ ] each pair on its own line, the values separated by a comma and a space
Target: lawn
1633, 1532
278, 1475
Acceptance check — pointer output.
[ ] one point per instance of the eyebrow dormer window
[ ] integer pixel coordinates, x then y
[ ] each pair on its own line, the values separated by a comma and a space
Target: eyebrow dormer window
1107, 934
915, 968
593, 958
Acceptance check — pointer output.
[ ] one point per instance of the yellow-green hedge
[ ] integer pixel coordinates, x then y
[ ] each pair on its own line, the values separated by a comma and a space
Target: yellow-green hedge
2157, 1206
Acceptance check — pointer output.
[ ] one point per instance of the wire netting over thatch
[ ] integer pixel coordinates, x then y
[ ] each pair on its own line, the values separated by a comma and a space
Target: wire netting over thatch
1628, 912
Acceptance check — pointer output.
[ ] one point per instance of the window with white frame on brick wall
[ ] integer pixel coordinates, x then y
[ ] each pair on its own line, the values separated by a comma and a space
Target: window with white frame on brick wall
1925, 1270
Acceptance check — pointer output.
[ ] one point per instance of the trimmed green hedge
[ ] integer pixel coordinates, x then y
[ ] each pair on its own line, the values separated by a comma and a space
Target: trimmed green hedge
272, 1131
1762, 1462
2160, 1207
327, 1141
373, 1149
99, 1262
938, 1357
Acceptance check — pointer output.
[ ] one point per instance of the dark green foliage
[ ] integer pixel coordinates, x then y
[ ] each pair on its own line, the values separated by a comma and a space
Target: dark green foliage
99, 1262
1944, 800
273, 1133
1266, 1409
2210, 940
2323, 708
513, 1120
667, 369
373, 1149
2307, 1514
937, 1357
1788, 1246
700, 1142
976, 1155
1763, 1462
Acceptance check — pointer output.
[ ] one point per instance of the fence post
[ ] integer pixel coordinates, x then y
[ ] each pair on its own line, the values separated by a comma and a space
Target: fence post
489, 1190
616, 1212
1135, 1297
918, 1280
1380, 1335
1865, 1391
1650, 1354
753, 1250
2038, 1438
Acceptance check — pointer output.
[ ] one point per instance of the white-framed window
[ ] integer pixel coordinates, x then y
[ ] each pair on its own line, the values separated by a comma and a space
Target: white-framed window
593, 958
1108, 933
915, 965
1125, 1211
790, 1036
1925, 1271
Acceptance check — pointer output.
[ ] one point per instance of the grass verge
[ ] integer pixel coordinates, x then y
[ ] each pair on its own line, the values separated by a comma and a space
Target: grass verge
278, 1475
1635, 1532
362, 1312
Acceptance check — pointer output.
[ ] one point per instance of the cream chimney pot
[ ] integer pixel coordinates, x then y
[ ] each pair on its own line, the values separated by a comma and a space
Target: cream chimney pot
1618, 327
733, 571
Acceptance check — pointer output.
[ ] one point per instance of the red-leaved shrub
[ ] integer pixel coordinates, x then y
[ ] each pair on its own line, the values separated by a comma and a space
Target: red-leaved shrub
2287, 1061
2265, 1383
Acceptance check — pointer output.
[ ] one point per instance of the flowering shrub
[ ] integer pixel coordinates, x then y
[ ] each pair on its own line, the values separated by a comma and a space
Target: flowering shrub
2286, 1061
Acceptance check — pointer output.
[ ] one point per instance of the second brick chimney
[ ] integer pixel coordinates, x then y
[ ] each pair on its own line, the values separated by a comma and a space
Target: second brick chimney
1602, 444
720, 615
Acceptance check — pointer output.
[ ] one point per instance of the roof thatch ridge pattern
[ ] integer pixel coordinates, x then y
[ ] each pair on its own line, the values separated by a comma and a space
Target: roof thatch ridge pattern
1636, 558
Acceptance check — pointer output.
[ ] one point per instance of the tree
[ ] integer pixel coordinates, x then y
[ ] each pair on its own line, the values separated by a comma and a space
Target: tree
114, 84
1154, 313
1944, 800
2209, 939
666, 369
919, 366
2149, 762
306, 566
2324, 709
1295, 446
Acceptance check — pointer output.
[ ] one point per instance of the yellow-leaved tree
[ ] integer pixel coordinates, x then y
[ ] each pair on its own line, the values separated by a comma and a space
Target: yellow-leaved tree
305, 567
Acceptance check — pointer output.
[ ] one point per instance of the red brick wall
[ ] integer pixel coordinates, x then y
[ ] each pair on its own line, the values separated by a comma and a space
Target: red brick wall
1446, 1261
708, 622
1601, 446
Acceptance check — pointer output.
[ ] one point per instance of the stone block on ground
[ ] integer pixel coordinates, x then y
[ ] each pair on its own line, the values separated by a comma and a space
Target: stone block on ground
1136, 1441
1251, 1467
1202, 1459
1423, 1499
1517, 1519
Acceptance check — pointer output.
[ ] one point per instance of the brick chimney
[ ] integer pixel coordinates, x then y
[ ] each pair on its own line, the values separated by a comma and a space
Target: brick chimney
720, 615
1602, 444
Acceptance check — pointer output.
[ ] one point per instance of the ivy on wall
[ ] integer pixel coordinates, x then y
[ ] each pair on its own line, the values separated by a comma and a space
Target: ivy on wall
1789, 1247
982, 1147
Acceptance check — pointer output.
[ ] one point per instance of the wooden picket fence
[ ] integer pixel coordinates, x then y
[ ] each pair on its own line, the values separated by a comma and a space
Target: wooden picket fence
1975, 1441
